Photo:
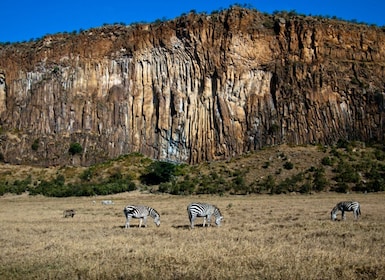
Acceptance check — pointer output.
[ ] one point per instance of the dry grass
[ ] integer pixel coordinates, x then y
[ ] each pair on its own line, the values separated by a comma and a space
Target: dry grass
262, 237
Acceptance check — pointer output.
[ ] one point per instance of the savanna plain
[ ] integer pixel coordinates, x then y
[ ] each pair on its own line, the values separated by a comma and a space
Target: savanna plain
261, 237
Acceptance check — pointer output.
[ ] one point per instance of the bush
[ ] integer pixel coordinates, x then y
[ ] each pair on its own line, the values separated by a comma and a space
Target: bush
346, 173
342, 143
376, 185
60, 180
56, 188
87, 175
379, 154
177, 188
327, 161
239, 185
288, 165
268, 184
35, 145
158, 172
341, 187
319, 179
75, 148
305, 188
290, 184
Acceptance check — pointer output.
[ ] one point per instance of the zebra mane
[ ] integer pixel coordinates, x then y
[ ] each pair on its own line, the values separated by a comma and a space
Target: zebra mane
217, 210
153, 213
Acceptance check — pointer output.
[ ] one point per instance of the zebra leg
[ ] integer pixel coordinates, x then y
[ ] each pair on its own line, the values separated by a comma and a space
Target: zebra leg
204, 221
343, 215
140, 222
127, 222
192, 221
208, 220
145, 221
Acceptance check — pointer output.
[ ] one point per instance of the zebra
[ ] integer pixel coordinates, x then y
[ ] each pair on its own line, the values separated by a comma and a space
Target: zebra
204, 210
346, 206
69, 213
140, 212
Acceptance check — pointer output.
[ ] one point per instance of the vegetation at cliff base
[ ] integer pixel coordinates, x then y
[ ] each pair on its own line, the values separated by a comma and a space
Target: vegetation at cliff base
344, 167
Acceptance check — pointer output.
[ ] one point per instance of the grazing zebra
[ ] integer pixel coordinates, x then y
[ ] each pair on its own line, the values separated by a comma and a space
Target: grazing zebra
203, 210
69, 213
140, 212
346, 206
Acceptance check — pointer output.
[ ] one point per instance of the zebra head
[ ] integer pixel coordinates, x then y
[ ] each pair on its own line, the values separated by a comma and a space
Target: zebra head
156, 217
333, 214
218, 216
218, 220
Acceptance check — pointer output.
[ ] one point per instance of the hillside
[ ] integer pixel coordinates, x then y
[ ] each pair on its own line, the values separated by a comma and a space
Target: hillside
193, 89
346, 167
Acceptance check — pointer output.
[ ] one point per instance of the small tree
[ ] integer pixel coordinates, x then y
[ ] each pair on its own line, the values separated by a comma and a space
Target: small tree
35, 145
288, 165
75, 148
268, 184
158, 172
319, 179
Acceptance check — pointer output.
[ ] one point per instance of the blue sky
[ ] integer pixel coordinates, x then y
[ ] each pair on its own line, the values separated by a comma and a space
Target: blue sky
24, 20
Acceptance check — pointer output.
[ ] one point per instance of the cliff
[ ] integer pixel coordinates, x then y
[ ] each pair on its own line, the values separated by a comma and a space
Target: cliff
196, 88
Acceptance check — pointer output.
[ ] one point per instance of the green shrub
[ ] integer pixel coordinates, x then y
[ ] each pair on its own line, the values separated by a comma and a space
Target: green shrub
75, 148
87, 175
305, 188
341, 187
35, 145
379, 154
164, 187
376, 185
211, 184
288, 165
158, 172
319, 179
327, 161
267, 185
57, 188
60, 180
360, 187
346, 173
290, 184
239, 185
187, 186
179, 188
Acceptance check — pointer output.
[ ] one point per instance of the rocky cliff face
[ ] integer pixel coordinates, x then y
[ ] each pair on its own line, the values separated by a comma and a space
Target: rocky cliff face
197, 88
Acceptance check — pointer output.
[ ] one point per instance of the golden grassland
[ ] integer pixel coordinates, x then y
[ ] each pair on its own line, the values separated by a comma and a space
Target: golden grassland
262, 237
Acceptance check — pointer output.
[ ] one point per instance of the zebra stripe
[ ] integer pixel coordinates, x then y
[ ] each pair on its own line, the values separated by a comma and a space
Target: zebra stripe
140, 212
350, 206
204, 210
